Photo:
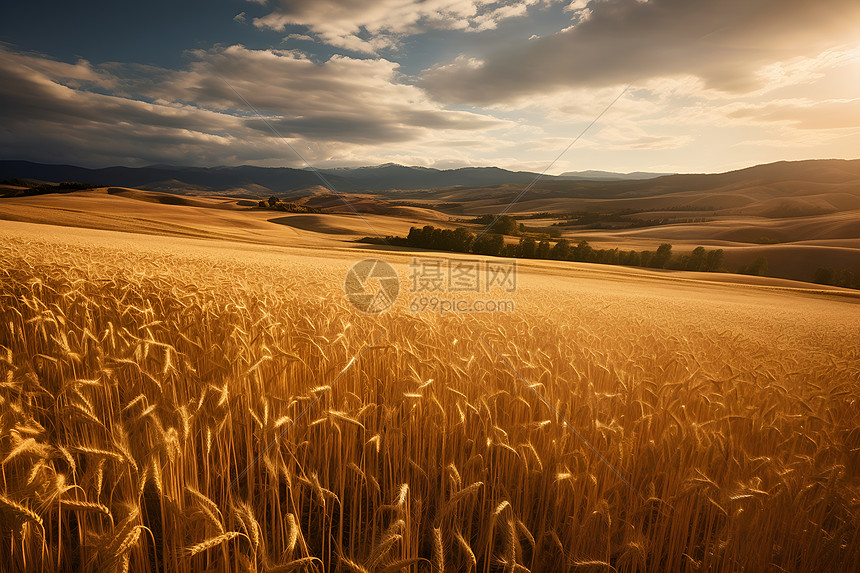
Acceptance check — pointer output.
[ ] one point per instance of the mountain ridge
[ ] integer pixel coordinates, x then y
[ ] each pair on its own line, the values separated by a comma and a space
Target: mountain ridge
261, 182
598, 175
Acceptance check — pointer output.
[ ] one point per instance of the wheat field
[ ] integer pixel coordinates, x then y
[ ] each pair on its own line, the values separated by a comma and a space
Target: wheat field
164, 410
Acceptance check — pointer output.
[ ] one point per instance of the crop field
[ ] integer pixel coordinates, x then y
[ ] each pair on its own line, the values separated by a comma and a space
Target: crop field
170, 410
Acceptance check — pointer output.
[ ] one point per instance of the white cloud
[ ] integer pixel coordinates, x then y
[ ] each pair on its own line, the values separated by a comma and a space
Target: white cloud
576, 5
302, 37
371, 25
490, 20
580, 9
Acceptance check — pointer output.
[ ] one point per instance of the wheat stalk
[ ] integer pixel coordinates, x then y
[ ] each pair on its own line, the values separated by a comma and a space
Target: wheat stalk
213, 542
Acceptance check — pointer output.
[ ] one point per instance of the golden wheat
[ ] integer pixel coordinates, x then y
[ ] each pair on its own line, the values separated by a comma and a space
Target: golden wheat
187, 412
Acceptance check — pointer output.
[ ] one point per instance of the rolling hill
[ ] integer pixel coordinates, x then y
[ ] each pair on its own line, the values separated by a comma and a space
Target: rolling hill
777, 189
783, 189
800, 216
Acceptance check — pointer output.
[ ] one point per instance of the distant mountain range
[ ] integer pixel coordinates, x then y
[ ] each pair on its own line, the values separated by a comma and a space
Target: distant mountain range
778, 190
594, 175
249, 181
784, 179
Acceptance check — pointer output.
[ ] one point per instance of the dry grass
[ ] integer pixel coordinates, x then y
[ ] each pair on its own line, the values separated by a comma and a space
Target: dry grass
136, 393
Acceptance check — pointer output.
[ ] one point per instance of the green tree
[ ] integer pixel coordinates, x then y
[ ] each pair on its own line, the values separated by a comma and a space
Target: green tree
504, 225
645, 258
696, 261
632, 259
446, 240
662, 256
582, 251
527, 248
543, 250
714, 260
560, 250
611, 256
823, 276
489, 244
462, 239
414, 237
845, 279
757, 268
426, 237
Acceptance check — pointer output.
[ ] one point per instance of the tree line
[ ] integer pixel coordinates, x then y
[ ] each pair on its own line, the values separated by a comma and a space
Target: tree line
841, 278
275, 204
31, 188
462, 240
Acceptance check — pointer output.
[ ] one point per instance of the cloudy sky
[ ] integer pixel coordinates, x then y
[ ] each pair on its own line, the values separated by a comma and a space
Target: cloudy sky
711, 85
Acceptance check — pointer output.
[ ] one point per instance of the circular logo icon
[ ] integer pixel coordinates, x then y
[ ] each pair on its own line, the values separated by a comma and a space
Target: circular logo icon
371, 285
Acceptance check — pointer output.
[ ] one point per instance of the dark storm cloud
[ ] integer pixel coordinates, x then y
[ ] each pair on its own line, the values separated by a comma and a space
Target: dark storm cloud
192, 115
